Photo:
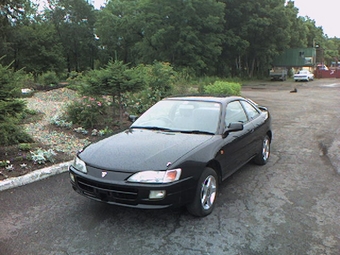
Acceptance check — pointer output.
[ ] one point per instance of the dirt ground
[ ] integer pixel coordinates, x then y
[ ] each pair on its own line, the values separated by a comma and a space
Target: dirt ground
315, 95
64, 142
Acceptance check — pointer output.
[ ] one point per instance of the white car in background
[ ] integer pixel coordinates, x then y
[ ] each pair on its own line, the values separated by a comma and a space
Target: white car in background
304, 75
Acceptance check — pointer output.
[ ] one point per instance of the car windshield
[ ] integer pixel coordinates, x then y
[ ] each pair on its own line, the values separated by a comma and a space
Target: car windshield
181, 116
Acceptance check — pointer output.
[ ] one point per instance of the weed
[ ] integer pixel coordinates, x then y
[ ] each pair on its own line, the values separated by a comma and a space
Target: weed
59, 122
41, 156
25, 146
4, 163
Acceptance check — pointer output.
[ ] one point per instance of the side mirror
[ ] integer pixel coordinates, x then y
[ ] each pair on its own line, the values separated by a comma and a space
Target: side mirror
262, 108
233, 127
133, 118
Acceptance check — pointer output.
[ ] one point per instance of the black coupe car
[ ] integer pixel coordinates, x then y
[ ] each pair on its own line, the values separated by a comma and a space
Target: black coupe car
175, 154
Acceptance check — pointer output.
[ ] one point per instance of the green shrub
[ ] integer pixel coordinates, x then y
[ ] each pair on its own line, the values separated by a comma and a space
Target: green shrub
87, 112
48, 79
159, 79
31, 111
28, 113
28, 80
11, 134
75, 80
10, 107
223, 88
25, 146
138, 103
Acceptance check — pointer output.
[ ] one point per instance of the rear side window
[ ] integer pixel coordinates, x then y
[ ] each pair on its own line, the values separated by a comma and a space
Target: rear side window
251, 111
235, 113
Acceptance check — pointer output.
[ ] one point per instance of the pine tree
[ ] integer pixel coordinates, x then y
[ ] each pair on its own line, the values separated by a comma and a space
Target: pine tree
10, 108
114, 80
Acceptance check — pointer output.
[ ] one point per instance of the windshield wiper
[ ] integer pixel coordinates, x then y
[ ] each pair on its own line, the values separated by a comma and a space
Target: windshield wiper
173, 130
195, 132
152, 128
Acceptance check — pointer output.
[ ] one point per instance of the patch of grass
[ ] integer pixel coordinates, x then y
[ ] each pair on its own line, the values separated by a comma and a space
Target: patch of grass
25, 146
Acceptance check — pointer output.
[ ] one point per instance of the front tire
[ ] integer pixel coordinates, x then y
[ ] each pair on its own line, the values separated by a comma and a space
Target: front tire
263, 155
206, 193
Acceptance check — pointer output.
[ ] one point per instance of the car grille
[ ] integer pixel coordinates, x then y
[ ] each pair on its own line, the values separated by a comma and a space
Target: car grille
108, 192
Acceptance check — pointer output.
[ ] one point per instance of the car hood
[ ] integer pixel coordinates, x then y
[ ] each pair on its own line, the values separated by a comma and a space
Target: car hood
138, 149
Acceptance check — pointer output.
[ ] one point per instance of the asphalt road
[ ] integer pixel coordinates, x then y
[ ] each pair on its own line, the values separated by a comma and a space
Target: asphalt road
289, 206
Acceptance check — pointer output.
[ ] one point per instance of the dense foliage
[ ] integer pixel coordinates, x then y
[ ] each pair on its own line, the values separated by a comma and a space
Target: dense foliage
11, 108
88, 112
131, 53
131, 90
204, 37
223, 88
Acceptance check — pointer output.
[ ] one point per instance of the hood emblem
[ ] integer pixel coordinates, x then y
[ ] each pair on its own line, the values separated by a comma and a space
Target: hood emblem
104, 174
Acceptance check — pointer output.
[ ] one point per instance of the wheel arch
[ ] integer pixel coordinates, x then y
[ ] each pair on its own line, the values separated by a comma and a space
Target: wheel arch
270, 134
214, 164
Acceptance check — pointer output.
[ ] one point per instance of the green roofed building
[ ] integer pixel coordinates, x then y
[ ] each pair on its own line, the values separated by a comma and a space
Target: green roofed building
298, 57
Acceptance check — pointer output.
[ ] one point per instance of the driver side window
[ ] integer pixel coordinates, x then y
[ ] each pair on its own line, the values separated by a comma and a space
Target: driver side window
235, 113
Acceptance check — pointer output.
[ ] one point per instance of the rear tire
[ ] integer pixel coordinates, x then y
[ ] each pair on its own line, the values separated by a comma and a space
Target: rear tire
263, 155
206, 193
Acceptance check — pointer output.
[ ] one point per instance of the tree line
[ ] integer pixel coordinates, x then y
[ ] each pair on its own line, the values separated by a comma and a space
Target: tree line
224, 38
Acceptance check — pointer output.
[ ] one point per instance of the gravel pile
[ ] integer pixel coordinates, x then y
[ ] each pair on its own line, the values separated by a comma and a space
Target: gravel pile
51, 103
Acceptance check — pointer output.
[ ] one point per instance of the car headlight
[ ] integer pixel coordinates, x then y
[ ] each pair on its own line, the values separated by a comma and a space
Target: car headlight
156, 176
79, 165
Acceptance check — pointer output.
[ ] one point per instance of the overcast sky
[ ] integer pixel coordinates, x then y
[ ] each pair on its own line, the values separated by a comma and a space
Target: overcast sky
326, 14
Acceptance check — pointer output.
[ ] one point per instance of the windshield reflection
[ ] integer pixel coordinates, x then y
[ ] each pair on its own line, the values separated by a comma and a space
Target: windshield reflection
181, 116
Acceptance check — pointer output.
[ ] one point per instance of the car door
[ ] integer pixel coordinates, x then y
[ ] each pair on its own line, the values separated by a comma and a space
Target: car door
236, 150
257, 120
253, 117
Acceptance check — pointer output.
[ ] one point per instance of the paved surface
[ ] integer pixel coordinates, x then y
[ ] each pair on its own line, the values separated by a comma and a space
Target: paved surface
290, 206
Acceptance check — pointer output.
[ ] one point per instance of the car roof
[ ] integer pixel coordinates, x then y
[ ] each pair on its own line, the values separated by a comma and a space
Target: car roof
217, 99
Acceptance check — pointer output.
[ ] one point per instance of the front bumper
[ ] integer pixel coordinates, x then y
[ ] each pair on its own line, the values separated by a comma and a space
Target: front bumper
301, 78
117, 191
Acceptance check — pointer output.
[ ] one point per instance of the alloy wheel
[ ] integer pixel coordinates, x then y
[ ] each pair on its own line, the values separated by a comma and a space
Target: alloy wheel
208, 192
